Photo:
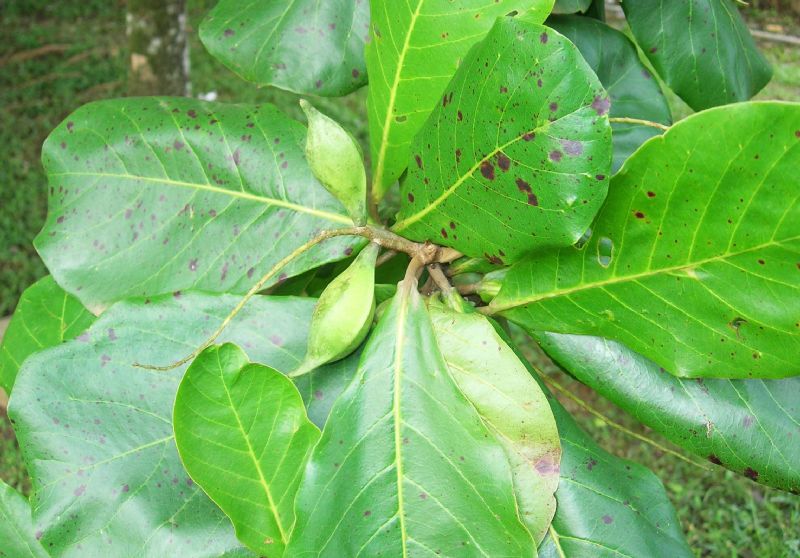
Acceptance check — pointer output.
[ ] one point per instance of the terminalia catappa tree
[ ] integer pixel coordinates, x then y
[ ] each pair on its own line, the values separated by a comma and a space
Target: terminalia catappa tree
243, 350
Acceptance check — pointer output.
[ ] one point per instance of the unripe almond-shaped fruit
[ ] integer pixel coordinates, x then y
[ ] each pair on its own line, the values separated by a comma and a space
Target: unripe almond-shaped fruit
335, 159
343, 314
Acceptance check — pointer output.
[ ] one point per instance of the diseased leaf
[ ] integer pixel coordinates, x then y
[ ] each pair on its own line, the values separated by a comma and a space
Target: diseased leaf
702, 49
607, 506
45, 316
512, 405
415, 49
516, 155
748, 426
694, 261
18, 539
303, 46
154, 195
97, 433
243, 435
633, 91
405, 466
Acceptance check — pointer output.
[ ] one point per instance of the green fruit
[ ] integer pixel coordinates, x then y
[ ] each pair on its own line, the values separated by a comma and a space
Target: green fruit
343, 314
335, 159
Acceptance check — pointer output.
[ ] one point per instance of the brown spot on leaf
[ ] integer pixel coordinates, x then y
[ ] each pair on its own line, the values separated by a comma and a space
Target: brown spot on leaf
411, 197
487, 170
556, 156
751, 473
714, 459
601, 105
418, 159
543, 38
503, 161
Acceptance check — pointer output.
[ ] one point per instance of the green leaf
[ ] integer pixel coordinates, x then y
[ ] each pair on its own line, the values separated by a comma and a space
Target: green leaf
512, 405
607, 506
154, 195
748, 426
322, 388
633, 91
243, 435
303, 46
571, 6
702, 49
694, 260
18, 538
415, 49
405, 466
516, 157
45, 316
97, 435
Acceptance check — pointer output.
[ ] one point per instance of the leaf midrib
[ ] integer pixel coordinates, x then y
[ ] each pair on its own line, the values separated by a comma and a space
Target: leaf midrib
497, 308
252, 454
400, 335
387, 122
335, 217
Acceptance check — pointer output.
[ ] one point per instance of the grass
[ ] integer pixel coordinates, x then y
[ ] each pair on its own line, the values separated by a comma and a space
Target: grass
722, 514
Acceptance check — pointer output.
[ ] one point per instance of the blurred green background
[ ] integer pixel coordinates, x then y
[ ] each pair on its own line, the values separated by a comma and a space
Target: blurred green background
57, 56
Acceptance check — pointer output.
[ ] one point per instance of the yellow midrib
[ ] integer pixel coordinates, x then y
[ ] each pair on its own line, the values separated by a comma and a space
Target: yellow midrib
256, 463
335, 217
387, 122
496, 308
398, 419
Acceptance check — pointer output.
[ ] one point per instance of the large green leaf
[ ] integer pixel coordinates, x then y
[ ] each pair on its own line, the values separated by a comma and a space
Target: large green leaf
405, 466
415, 49
633, 91
152, 195
97, 434
748, 426
243, 435
607, 507
304, 46
18, 539
702, 49
694, 260
45, 316
511, 404
517, 156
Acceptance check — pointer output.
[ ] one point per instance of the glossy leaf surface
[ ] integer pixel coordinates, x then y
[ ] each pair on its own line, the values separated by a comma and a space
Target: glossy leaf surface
45, 317
511, 404
304, 46
415, 49
155, 195
607, 506
405, 466
97, 433
571, 6
243, 435
633, 91
701, 48
694, 260
17, 535
748, 426
517, 155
